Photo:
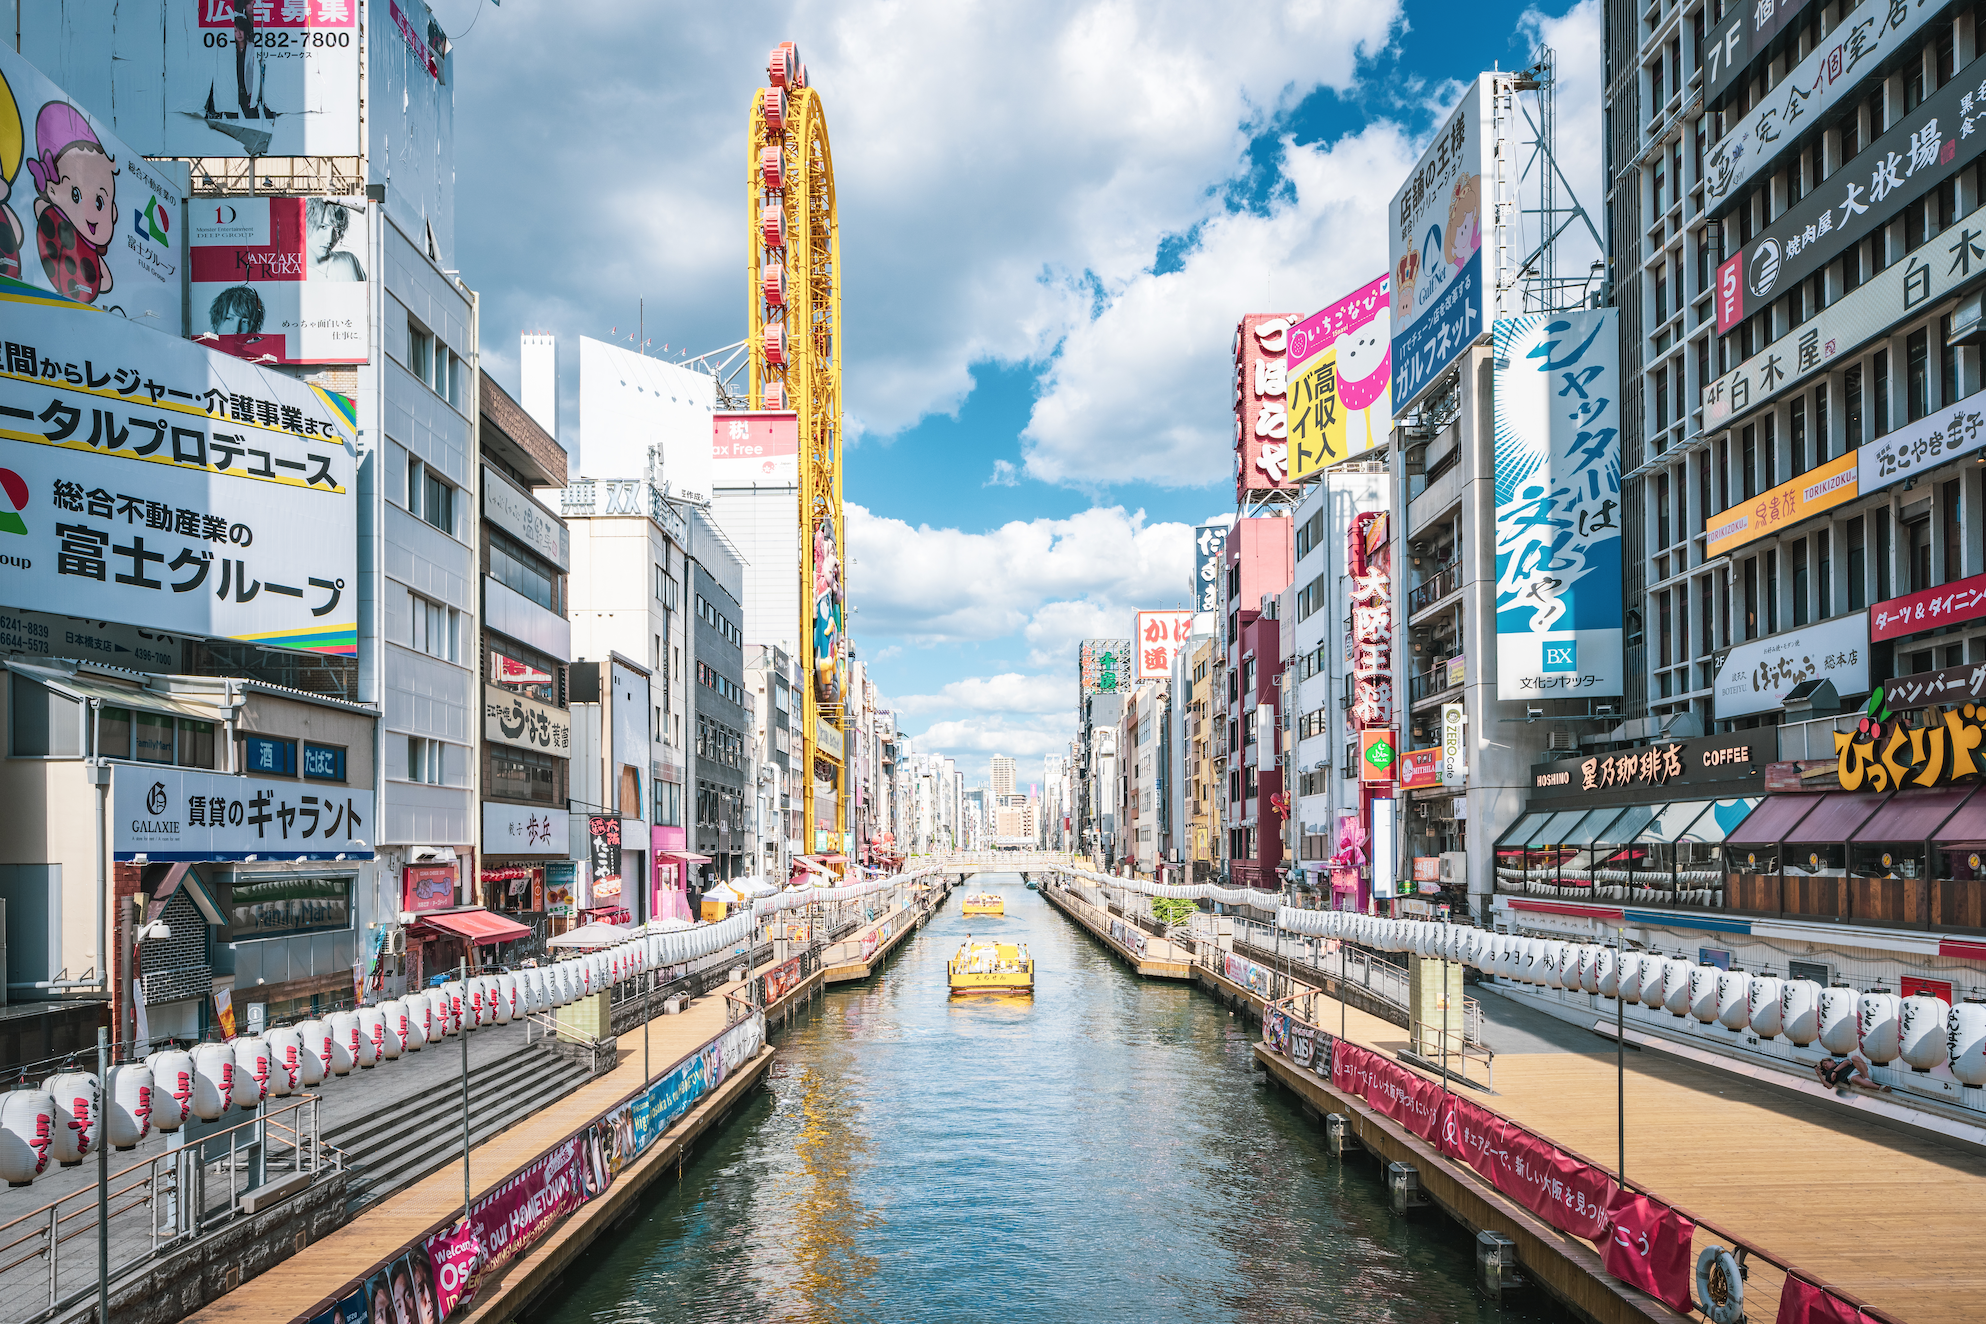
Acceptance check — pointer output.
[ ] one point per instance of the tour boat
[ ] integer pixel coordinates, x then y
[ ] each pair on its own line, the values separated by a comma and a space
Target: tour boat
991, 967
984, 903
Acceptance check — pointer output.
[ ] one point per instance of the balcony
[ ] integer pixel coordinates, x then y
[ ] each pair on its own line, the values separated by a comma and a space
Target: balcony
1427, 684
1434, 588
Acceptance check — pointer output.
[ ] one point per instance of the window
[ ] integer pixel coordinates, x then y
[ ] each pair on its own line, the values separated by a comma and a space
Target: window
114, 733
1748, 462
1882, 553
424, 760
420, 352
430, 497
1772, 592
434, 628
153, 738
1820, 424
1769, 456
324, 763
1917, 542
1948, 517
278, 907
668, 803
439, 369
522, 774
1851, 382
513, 566
196, 743
1858, 572
1879, 369
1797, 433
269, 756
1824, 579
1799, 584
665, 588
1917, 374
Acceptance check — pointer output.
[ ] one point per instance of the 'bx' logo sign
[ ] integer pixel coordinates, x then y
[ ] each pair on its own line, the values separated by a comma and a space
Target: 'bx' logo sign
1562, 656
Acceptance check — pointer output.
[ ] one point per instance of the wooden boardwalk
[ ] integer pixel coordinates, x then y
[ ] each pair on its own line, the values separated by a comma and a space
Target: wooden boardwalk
1160, 959
844, 961
1893, 1217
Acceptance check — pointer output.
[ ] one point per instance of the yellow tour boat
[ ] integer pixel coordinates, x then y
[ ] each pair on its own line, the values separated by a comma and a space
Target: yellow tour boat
984, 903
991, 967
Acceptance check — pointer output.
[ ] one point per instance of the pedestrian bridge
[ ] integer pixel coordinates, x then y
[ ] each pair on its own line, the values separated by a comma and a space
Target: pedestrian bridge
965, 863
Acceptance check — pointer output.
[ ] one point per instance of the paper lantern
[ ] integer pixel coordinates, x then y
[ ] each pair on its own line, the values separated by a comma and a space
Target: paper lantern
1607, 972
1840, 1029
1923, 1031
128, 1105
213, 1080
251, 1071
503, 999
285, 1061
420, 1020
1965, 1042
317, 1051
345, 1040
27, 1134
1879, 1026
392, 1035
172, 1088
1703, 1003
1799, 1011
1763, 1006
1734, 1000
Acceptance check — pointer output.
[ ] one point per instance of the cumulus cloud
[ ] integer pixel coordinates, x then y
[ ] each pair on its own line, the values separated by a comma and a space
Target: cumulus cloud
964, 737
1010, 692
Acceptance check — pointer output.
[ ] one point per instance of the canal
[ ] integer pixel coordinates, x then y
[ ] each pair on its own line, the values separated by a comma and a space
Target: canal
1103, 1151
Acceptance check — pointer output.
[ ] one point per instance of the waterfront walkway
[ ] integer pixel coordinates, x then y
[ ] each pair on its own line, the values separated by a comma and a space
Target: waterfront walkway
1153, 958
1890, 1216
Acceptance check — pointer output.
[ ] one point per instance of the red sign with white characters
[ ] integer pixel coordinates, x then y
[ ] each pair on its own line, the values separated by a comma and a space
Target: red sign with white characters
1961, 600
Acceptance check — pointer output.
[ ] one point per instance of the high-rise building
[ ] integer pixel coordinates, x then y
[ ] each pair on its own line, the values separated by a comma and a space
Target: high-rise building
1001, 774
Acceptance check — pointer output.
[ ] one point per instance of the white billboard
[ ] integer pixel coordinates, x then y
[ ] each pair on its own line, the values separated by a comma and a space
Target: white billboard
631, 404
280, 280
166, 813
525, 830
1755, 677
1558, 506
147, 480
1434, 242
1161, 634
82, 215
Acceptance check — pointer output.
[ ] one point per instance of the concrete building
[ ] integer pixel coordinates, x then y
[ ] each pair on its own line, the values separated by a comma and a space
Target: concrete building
1001, 775
720, 705
1258, 565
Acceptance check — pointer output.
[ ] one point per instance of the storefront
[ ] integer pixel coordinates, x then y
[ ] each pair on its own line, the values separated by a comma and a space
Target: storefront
482, 938
1647, 826
519, 840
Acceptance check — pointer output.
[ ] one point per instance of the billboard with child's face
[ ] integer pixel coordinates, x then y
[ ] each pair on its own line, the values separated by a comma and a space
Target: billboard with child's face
1434, 239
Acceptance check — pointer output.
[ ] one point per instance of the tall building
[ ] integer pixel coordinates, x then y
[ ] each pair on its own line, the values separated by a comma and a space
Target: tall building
1001, 774
720, 705
1257, 567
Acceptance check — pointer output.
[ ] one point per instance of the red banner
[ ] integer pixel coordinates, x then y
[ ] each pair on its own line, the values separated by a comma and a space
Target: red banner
1350, 1066
1800, 1302
1408, 1099
1649, 1248
1568, 1194
511, 1217
781, 980
456, 1256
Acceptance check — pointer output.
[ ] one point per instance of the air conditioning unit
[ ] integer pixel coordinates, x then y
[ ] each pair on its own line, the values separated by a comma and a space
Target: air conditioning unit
396, 941
1562, 741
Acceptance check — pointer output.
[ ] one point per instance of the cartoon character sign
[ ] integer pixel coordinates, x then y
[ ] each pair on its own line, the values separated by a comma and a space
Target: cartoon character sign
1340, 379
12, 144
827, 615
75, 207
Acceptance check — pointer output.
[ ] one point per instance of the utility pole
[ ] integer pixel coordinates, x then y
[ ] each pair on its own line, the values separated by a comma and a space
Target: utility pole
103, 1178
462, 1033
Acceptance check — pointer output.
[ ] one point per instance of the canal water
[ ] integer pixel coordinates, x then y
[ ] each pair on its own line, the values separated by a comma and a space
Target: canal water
1104, 1150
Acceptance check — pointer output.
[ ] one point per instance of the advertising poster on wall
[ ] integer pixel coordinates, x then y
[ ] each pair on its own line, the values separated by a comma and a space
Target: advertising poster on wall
187, 814
1161, 634
1434, 240
82, 216
1340, 380
827, 613
279, 280
1558, 525
1756, 676
1261, 403
755, 450
150, 481
604, 836
1105, 665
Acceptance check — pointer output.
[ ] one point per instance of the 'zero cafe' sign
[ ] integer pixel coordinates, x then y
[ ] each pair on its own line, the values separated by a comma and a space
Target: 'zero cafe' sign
1670, 766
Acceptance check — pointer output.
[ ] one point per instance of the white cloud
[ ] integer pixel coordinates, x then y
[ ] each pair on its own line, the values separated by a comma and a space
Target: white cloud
1010, 692
1028, 739
1005, 474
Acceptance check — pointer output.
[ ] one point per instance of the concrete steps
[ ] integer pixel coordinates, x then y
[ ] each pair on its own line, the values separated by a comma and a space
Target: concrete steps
406, 1139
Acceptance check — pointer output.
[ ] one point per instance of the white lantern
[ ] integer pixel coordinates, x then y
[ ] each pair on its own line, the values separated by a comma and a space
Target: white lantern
285, 1060
172, 1088
1965, 1042
128, 1111
372, 1035
1799, 1011
1607, 971
345, 1037
1654, 977
503, 998
251, 1071
1923, 1032
1676, 986
1734, 1000
78, 1115
27, 1132
393, 1028
1484, 955
1550, 955
213, 1080
315, 1063
450, 1011
420, 1019
1703, 1000
1839, 1027
1879, 1026
1763, 1006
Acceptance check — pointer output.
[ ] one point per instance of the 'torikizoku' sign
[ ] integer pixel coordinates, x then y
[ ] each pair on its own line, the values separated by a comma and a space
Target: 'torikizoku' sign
1947, 604
185, 814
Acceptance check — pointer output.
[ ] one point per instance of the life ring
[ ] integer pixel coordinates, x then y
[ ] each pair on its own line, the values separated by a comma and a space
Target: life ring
1720, 1286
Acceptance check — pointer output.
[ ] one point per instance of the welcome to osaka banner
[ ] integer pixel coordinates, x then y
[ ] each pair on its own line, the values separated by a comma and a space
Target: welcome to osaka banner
1558, 505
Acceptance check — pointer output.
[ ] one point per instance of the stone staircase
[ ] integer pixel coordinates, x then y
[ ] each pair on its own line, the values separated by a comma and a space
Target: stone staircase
405, 1139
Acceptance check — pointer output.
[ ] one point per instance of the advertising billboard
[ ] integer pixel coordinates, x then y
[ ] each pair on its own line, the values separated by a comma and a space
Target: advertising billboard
1105, 666
1744, 34
828, 608
639, 408
1208, 542
186, 814
1756, 676
81, 214
755, 450
150, 481
1820, 488
1558, 526
279, 280
1340, 379
1434, 242
1920, 151
1161, 634
525, 830
1261, 403
1935, 439
1927, 609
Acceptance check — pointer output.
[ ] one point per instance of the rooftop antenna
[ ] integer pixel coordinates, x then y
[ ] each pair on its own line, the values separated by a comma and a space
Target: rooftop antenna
1537, 279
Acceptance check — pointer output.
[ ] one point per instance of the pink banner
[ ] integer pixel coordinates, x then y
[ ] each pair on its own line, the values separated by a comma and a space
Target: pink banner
456, 1256
508, 1219
1649, 1248
1350, 1067
1800, 1302
1568, 1194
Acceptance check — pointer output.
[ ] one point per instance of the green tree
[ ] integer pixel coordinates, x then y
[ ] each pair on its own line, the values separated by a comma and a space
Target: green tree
1171, 912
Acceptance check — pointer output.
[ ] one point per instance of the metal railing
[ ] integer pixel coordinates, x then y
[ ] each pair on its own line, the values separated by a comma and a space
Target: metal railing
48, 1256
1383, 980
1432, 681
1449, 1049
1434, 588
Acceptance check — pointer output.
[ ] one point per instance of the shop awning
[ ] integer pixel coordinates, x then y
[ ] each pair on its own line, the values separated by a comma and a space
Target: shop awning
687, 857
1671, 821
1554, 833
479, 926
1968, 825
1723, 816
1773, 821
1836, 817
1913, 815
1628, 826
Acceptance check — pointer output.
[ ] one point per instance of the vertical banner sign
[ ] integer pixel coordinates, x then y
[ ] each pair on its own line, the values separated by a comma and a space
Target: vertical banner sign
1208, 540
1385, 849
280, 280
1340, 379
1558, 528
1261, 403
1454, 755
1161, 634
604, 832
82, 216
1434, 240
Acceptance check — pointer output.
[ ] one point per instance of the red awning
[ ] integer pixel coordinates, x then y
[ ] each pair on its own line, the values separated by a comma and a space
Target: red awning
1913, 815
478, 926
1773, 821
685, 856
1836, 818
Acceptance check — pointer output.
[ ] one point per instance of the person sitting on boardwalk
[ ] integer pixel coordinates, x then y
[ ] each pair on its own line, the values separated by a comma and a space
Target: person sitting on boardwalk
1838, 1074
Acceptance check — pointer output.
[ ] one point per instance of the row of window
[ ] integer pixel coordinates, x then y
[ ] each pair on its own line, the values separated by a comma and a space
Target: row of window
517, 567
717, 620
718, 805
438, 366
710, 678
719, 743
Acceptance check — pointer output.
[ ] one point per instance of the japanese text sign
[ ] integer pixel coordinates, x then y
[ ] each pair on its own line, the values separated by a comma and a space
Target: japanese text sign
1917, 153
1434, 240
755, 450
428, 887
1340, 378
1887, 756
91, 219
1745, 32
1105, 665
1558, 500
151, 481
1962, 600
1946, 685
1955, 430
1420, 767
518, 720
1856, 47
1161, 634
1208, 542
1820, 488
1756, 676
604, 834
1261, 402
280, 280
185, 814
523, 829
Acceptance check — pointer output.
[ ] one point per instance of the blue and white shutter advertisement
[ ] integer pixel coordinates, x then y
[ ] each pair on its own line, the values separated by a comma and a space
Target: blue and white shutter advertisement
1558, 506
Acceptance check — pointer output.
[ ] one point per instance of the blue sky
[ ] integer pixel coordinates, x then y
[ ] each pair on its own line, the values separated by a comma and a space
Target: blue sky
1041, 278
